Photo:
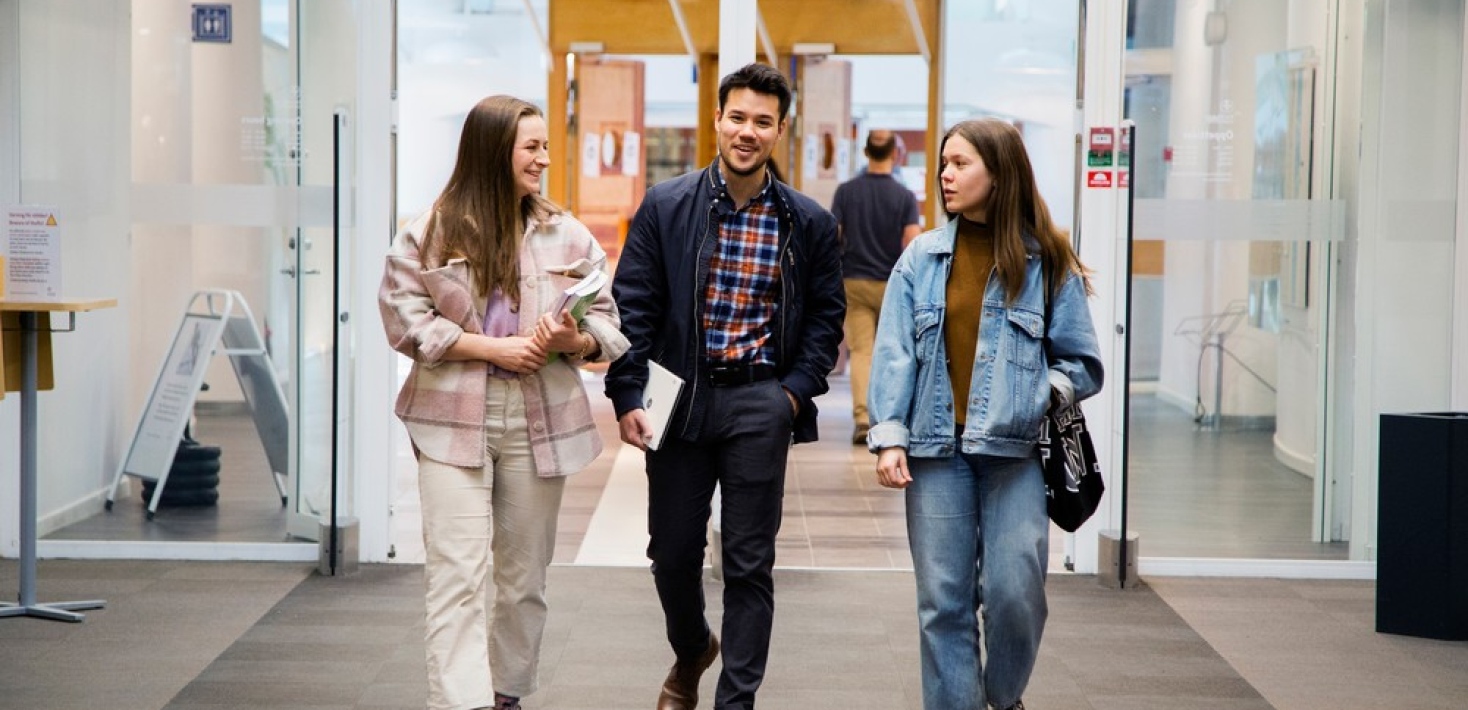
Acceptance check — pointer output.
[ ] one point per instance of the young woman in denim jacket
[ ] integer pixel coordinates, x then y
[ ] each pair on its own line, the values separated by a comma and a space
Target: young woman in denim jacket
494, 404
984, 322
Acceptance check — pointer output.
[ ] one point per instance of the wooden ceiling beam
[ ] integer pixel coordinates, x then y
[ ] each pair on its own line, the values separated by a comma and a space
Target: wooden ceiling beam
634, 26
854, 26
648, 26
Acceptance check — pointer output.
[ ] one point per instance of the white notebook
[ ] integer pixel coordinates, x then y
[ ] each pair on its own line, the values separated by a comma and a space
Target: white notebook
659, 399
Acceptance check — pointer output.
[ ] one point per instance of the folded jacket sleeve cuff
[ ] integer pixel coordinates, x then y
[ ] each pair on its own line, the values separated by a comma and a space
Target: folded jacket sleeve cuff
1064, 390
887, 435
609, 339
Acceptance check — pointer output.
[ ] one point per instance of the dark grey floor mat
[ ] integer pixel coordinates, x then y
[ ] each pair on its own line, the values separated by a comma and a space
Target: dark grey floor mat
843, 640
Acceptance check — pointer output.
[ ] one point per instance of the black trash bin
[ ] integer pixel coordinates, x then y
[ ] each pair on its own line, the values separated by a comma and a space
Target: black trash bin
1422, 525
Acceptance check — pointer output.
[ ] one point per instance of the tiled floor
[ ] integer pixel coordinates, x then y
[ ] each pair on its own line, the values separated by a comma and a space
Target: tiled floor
1211, 493
249, 508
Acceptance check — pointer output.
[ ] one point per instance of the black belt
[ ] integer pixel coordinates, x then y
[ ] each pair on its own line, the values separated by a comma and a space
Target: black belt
734, 374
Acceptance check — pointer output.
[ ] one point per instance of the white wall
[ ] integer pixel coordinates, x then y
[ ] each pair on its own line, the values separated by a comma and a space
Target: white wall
162, 111
191, 104
670, 91
1185, 300
448, 61
1344, 180
1298, 430
9, 194
1015, 61
225, 89
9, 102
72, 61
1213, 91
1460, 285
373, 381
1404, 255
1103, 249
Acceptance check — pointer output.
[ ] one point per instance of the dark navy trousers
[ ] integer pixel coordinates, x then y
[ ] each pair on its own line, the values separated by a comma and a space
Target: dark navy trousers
743, 447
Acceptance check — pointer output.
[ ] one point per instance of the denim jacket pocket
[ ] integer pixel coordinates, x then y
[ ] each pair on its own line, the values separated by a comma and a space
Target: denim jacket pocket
1025, 375
1026, 339
926, 333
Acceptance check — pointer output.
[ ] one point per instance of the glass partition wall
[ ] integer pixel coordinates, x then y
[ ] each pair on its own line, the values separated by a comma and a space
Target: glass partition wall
236, 136
1228, 292
1271, 266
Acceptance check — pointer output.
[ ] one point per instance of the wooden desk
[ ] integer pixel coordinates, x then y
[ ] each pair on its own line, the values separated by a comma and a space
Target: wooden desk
30, 317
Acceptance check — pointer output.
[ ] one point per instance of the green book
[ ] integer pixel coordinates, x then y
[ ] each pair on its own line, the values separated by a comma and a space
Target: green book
578, 297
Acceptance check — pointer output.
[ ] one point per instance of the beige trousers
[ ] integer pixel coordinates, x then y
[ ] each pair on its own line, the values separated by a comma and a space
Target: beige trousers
503, 513
863, 309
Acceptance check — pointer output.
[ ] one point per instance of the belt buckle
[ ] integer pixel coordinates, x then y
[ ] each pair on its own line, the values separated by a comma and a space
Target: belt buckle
726, 374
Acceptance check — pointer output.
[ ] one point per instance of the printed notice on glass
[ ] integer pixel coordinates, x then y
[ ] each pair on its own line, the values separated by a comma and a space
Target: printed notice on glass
591, 155
33, 253
810, 154
631, 153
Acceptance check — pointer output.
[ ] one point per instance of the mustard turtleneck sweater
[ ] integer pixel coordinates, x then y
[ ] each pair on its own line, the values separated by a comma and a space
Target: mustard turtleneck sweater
973, 261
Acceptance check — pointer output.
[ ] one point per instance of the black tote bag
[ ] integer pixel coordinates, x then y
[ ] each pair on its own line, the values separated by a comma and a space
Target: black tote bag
1073, 484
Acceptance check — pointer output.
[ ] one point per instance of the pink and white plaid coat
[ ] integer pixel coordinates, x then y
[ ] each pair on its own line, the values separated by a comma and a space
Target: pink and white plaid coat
442, 402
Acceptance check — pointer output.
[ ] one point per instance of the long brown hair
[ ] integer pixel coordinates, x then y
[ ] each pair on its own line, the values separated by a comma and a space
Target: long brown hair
1015, 207
477, 216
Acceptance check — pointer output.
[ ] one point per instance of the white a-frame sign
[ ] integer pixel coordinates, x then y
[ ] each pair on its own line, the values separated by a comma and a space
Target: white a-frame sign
211, 316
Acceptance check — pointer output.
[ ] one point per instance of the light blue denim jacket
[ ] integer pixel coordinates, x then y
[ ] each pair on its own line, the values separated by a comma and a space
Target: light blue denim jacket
910, 400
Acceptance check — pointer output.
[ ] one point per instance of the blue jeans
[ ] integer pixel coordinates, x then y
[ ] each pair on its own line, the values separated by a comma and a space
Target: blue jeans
980, 542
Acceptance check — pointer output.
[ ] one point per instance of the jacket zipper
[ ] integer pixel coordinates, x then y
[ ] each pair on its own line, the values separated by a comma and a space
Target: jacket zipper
788, 256
697, 329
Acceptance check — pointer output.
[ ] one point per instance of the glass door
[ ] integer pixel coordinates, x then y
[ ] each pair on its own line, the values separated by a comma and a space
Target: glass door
1229, 283
323, 70
235, 151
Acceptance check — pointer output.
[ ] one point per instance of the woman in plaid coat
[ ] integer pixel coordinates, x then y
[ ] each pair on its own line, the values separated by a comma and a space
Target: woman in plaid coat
494, 403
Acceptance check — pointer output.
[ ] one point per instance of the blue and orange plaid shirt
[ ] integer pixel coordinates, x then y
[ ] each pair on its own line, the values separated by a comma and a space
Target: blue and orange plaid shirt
743, 289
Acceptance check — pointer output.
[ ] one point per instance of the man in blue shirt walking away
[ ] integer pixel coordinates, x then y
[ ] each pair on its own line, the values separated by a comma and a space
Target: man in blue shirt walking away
877, 217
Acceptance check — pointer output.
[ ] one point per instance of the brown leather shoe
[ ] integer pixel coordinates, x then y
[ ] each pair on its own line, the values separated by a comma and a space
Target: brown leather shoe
680, 690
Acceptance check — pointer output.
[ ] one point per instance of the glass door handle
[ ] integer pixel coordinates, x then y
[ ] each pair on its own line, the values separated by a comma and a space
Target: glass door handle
291, 271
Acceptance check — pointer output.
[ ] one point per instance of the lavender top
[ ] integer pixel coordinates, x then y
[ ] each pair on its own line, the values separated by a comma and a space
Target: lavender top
500, 321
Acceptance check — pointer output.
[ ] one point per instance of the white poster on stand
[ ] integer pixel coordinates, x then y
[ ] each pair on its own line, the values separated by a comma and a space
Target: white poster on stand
33, 253
172, 400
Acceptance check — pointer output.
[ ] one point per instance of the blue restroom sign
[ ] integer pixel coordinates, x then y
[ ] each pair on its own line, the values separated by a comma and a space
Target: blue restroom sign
211, 23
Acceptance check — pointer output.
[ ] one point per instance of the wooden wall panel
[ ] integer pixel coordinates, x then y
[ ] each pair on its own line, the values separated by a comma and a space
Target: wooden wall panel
708, 103
823, 146
562, 148
1148, 257
933, 213
612, 173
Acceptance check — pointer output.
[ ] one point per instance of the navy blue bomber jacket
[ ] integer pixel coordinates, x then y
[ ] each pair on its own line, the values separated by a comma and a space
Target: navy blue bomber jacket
659, 291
